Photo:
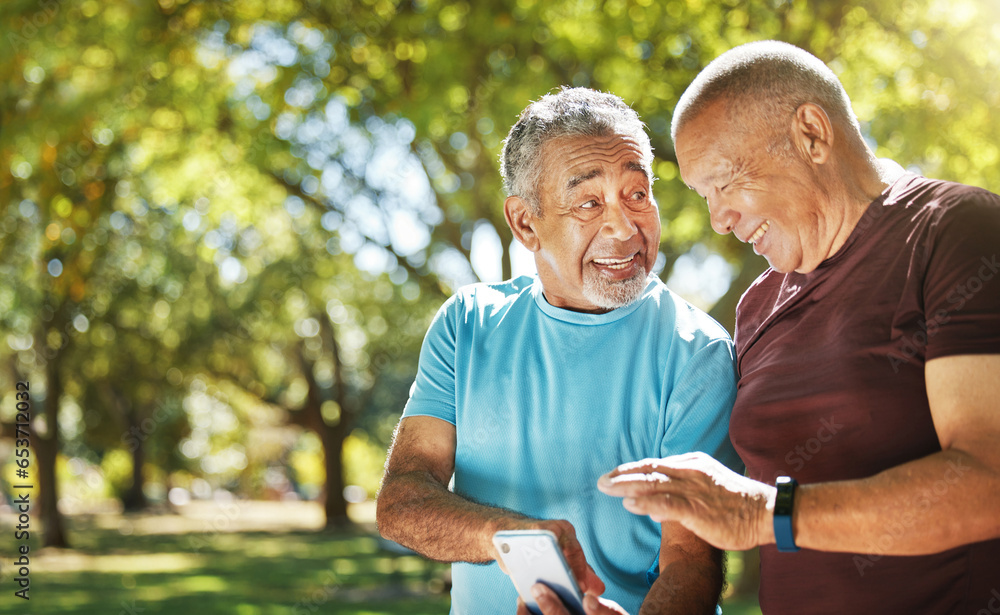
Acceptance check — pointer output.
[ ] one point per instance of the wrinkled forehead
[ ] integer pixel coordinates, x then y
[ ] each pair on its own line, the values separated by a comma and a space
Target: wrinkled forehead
708, 138
739, 125
571, 160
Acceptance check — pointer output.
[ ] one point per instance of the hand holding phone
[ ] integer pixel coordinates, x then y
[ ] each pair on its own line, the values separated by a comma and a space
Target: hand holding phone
534, 556
552, 605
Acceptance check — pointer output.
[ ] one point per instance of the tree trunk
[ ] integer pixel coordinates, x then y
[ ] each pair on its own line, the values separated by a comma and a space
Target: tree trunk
135, 498
334, 505
54, 534
332, 436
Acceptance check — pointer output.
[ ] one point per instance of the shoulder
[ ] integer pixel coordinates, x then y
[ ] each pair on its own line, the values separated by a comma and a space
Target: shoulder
757, 303
687, 321
912, 187
483, 295
942, 199
768, 281
946, 217
483, 301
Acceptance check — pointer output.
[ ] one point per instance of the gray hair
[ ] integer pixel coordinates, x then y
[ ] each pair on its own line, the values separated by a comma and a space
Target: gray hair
763, 83
570, 112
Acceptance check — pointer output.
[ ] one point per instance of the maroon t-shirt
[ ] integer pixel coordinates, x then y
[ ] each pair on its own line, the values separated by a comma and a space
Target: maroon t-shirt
831, 387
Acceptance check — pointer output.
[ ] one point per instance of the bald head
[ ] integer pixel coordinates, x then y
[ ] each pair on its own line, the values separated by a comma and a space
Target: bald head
762, 84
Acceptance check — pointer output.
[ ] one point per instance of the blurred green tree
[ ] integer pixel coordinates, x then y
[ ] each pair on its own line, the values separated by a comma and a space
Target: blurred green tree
275, 197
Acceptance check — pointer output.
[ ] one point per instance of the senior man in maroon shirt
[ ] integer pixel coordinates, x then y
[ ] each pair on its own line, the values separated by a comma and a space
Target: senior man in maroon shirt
868, 357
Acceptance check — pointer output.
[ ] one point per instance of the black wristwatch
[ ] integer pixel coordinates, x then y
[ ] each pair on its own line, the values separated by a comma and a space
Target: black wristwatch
783, 504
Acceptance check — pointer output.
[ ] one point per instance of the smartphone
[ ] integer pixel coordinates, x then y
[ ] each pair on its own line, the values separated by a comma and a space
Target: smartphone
534, 556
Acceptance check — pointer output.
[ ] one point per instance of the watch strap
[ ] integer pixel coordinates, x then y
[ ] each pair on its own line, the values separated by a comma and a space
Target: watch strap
784, 503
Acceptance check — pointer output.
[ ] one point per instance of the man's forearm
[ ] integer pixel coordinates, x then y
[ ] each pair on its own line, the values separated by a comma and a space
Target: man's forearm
925, 506
685, 587
419, 513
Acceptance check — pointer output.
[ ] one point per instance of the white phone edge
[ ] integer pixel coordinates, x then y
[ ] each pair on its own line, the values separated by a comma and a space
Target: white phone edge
569, 583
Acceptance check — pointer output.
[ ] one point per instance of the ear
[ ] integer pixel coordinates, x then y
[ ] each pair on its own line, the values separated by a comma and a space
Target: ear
521, 219
812, 133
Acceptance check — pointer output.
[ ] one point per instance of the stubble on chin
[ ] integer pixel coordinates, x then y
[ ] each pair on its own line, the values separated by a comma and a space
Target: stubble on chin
613, 294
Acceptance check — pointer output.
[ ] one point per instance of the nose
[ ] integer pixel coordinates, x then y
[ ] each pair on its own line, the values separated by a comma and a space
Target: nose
723, 219
617, 223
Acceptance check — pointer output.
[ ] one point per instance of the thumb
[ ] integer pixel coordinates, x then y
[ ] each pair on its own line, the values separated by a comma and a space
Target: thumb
592, 605
594, 584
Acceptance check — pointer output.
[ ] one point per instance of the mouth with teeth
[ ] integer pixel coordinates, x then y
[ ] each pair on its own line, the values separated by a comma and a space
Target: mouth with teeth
616, 264
611, 280
758, 234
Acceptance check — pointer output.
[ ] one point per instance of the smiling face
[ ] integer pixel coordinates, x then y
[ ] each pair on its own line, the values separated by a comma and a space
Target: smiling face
598, 235
773, 202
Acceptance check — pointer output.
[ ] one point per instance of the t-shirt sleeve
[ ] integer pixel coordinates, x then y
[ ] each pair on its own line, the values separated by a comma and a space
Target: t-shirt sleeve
433, 390
700, 404
962, 283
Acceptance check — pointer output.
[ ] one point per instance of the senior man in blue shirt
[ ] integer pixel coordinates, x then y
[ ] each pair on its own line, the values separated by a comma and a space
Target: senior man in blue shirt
528, 390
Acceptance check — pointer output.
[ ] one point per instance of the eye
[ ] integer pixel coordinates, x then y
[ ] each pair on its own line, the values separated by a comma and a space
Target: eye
639, 195
591, 204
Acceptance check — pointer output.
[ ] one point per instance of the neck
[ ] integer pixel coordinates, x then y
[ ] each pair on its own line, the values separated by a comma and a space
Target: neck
865, 177
851, 187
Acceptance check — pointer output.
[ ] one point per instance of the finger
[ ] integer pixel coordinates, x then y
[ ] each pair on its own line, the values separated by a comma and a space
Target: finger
595, 585
522, 608
650, 480
599, 606
573, 552
635, 484
647, 473
658, 462
661, 507
642, 466
664, 465
547, 600
577, 562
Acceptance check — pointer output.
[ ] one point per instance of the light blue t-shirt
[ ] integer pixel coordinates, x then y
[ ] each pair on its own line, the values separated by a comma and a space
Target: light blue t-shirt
545, 400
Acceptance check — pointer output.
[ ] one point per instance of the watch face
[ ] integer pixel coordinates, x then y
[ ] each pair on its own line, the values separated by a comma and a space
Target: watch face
786, 493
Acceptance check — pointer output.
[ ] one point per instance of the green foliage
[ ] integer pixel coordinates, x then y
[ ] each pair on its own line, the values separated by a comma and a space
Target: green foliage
306, 463
117, 470
206, 570
262, 204
367, 461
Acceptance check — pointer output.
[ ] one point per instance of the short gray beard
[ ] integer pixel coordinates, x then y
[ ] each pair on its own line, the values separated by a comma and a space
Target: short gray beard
611, 295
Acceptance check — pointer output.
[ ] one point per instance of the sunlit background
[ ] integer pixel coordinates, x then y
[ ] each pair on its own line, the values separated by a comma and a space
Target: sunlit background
226, 226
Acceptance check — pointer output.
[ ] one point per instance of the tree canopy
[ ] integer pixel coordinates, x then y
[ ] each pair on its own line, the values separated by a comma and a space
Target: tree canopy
252, 209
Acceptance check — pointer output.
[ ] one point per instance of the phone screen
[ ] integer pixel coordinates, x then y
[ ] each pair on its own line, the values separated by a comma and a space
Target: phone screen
534, 556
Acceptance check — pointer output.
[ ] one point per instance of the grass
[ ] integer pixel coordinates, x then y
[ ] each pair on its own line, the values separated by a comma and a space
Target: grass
241, 558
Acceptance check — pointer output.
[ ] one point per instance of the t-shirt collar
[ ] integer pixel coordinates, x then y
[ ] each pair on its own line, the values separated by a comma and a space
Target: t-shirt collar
584, 318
